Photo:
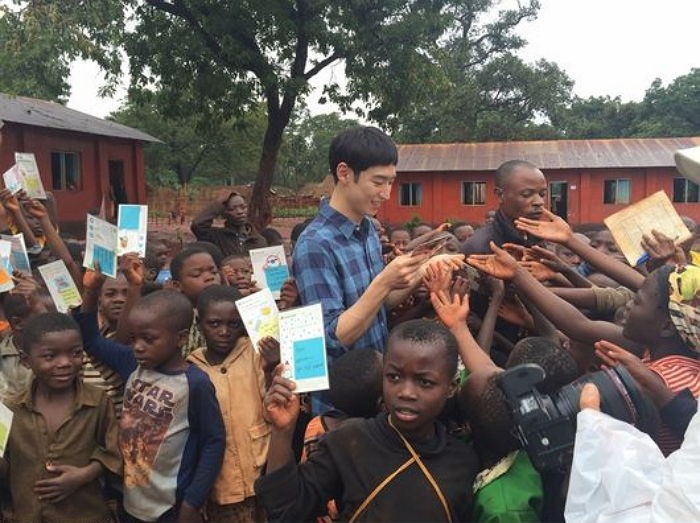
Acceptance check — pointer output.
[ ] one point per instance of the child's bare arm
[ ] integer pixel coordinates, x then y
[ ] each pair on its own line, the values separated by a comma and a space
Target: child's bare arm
133, 270
488, 325
557, 230
453, 313
580, 298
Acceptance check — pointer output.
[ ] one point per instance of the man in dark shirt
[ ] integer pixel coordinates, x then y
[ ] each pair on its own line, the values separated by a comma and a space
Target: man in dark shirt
521, 189
236, 235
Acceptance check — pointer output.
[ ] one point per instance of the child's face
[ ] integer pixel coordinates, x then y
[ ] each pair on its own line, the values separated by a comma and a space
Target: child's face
56, 359
155, 344
113, 297
643, 320
198, 272
241, 271
605, 243
416, 385
567, 256
221, 326
400, 239
162, 253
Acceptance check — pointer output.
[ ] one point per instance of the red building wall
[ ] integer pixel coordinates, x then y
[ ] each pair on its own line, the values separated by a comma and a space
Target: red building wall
95, 153
442, 194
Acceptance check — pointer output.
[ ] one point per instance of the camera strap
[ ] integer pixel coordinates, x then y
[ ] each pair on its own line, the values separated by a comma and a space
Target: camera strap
415, 458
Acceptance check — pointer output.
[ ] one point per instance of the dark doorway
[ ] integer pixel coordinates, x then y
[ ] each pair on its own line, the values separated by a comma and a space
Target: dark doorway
559, 199
116, 182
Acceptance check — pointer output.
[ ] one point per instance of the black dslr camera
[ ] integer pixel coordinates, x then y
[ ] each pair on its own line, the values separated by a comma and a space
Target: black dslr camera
546, 424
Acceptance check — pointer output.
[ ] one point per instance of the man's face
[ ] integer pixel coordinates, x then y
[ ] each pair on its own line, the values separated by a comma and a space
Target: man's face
236, 210
523, 193
372, 188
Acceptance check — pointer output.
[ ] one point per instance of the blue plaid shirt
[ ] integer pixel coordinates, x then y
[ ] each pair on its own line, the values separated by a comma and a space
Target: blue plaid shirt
334, 263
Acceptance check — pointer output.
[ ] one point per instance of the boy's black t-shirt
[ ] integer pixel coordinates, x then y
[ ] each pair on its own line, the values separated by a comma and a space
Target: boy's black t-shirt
352, 460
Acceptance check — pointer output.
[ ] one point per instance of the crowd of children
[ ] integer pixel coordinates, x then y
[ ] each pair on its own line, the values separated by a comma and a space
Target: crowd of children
149, 402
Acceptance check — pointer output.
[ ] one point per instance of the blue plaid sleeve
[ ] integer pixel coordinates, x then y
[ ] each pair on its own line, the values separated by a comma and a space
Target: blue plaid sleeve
318, 280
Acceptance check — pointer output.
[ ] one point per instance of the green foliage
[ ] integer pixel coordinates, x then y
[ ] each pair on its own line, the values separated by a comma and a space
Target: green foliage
295, 212
414, 222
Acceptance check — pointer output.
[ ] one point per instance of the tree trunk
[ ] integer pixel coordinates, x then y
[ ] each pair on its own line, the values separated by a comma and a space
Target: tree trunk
259, 209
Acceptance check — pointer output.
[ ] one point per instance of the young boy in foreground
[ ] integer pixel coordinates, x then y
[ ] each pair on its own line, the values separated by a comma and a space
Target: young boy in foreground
400, 466
64, 433
171, 433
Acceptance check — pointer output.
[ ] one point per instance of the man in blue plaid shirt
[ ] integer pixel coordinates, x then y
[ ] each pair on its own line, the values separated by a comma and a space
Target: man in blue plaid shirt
337, 260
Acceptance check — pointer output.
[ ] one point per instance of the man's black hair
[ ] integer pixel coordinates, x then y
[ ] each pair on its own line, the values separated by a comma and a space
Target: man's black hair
356, 383
559, 366
216, 294
427, 332
216, 253
172, 306
179, 260
46, 323
506, 169
361, 148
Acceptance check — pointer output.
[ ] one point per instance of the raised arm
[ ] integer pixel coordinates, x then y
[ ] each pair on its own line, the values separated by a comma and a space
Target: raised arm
567, 318
555, 229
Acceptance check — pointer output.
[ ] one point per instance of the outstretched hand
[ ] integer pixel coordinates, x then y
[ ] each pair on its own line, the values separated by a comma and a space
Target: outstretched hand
552, 228
499, 265
133, 269
452, 312
93, 278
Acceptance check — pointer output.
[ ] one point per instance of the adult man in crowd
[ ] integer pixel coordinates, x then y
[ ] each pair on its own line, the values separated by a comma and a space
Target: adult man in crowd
236, 235
521, 189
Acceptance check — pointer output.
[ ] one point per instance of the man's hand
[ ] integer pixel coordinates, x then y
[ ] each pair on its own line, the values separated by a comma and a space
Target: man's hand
552, 228
68, 480
133, 269
499, 265
402, 272
452, 312
281, 404
270, 351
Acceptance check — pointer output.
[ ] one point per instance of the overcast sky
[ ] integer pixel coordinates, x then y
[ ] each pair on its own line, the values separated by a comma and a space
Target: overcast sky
614, 47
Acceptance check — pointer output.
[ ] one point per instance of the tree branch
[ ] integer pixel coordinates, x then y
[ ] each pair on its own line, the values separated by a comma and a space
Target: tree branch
321, 65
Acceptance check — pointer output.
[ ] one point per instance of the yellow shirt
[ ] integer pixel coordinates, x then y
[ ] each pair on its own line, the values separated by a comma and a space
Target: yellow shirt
239, 382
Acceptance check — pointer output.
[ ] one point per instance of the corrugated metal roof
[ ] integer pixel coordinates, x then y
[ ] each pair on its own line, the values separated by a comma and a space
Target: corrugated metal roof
31, 111
554, 154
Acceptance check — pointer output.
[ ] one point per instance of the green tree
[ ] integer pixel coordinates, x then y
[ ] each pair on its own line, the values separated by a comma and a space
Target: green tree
597, 117
230, 55
673, 110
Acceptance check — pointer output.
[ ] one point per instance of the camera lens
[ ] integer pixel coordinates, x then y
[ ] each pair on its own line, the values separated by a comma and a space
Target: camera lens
620, 397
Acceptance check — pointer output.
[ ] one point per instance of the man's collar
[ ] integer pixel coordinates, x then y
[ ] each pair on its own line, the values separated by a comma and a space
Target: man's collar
344, 224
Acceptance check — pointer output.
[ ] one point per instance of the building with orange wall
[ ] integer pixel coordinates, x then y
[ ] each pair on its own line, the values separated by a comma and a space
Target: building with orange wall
588, 179
80, 157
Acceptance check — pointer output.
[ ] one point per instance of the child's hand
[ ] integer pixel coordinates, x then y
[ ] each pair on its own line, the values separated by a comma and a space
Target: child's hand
611, 355
270, 351
437, 277
289, 294
9, 201
661, 248
229, 275
25, 285
460, 286
500, 265
132, 267
58, 488
513, 311
549, 259
451, 312
93, 278
281, 404
538, 270
552, 228
35, 208
188, 514
519, 252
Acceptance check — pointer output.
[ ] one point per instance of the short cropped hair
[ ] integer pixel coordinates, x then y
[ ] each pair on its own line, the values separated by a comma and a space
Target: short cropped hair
216, 294
214, 251
356, 383
180, 258
171, 305
43, 324
427, 332
361, 148
558, 364
506, 169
